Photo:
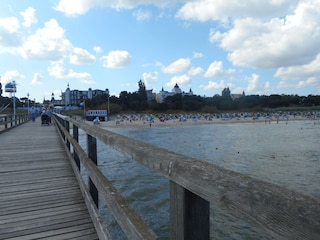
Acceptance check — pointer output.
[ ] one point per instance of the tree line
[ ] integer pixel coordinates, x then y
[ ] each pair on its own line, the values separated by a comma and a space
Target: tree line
138, 101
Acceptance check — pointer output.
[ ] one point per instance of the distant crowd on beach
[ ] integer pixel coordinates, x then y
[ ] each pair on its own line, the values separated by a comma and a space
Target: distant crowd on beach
221, 116
150, 119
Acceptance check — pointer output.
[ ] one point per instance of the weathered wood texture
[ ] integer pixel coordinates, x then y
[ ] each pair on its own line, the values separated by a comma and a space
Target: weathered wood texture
130, 222
282, 213
39, 194
7, 122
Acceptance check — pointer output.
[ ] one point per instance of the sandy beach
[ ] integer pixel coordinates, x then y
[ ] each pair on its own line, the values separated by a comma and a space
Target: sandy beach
126, 122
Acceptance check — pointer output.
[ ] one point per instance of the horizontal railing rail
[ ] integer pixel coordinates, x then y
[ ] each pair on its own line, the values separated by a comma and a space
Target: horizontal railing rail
9, 121
194, 185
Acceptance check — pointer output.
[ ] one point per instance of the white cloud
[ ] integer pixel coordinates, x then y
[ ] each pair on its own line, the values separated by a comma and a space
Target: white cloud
71, 8
29, 17
197, 55
116, 59
87, 82
12, 75
303, 76
56, 69
97, 49
10, 24
216, 70
204, 10
9, 32
254, 83
310, 82
213, 86
142, 15
257, 86
47, 43
149, 78
195, 71
79, 56
276, 42
300, 72
180, 65
37, 79
181, 80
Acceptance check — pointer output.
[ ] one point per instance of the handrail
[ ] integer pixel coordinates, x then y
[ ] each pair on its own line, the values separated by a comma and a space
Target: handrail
9, 121
194, 185
132, 224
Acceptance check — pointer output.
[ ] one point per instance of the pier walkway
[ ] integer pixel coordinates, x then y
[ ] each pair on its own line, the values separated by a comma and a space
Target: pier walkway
50, 186
39, 195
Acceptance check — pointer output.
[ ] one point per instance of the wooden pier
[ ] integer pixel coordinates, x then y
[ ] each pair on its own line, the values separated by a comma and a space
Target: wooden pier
43, 194
39, 194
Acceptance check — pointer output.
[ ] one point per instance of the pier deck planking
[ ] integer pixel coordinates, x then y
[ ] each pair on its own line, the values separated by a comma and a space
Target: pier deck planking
39, 193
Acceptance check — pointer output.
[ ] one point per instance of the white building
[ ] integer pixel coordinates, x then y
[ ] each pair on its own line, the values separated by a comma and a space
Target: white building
162, 95
75, 97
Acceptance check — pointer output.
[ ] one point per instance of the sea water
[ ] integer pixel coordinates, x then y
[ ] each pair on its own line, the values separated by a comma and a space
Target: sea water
284, 153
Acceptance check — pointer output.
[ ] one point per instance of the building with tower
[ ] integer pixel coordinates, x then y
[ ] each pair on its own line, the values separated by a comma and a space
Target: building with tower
162, 95
76, 97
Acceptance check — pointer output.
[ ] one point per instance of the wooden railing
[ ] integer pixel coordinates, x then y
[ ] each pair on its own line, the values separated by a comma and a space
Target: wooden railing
194, 185
8, 122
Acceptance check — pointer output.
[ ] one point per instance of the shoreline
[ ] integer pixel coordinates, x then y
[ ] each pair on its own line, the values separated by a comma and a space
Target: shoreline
116, 123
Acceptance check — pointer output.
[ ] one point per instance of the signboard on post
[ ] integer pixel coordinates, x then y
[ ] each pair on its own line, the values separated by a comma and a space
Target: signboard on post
11, 87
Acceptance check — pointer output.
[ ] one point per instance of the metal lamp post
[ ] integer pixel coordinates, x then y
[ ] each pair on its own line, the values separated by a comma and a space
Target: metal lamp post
28, 104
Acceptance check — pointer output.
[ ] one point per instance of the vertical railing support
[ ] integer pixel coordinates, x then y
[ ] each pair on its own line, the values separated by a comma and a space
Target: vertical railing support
189, 215
92, 154
75, 134
5, 120
67, 126
63, 122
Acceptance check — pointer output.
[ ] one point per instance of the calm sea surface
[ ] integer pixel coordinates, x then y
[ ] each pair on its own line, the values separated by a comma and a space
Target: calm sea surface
286, 154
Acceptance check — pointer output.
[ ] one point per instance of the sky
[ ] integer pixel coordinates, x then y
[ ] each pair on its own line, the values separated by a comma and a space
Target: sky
260, 47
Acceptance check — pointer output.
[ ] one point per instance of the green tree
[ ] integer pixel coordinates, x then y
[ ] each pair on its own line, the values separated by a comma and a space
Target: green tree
174, 102
226, 93
124, 100
142, 98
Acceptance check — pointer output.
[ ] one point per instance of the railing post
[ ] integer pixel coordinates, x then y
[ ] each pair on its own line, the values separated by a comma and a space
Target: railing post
75, 134
92, 154
189, 215
63, 122
67, 126
5, 120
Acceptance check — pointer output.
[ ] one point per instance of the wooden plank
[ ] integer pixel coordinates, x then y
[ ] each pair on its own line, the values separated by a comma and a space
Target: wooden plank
56, 231
39, 193
39, 213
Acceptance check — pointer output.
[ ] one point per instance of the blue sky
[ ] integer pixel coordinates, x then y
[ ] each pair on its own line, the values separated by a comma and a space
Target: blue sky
261, 47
